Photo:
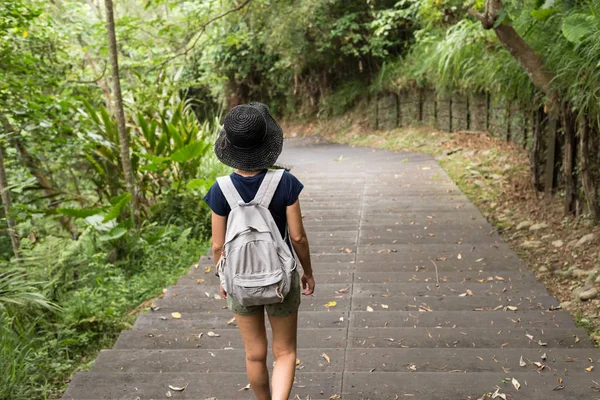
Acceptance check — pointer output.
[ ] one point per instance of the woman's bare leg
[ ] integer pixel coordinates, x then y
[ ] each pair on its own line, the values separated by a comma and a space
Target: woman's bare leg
254, 336
284, 350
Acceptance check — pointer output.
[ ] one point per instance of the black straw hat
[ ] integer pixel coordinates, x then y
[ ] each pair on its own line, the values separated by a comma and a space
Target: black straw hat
250, 140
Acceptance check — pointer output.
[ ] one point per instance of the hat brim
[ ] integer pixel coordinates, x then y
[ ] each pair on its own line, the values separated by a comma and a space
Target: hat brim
261, 157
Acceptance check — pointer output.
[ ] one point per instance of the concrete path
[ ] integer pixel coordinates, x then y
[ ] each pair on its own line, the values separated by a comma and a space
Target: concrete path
430, 303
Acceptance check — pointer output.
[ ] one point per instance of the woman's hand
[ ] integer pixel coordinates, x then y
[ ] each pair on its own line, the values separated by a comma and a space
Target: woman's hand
308, 284
223, 292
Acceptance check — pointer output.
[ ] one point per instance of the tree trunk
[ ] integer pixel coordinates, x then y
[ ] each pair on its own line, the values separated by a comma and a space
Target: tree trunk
586, 175
519, 49
119, 112
550, 156
569, 160
536, 148
10, 221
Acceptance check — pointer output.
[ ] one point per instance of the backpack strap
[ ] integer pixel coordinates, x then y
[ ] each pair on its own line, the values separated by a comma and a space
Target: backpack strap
229, 191
268, 187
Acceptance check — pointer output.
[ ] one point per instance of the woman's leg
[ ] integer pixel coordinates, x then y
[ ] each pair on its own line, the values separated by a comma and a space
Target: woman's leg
284, 350
254, 335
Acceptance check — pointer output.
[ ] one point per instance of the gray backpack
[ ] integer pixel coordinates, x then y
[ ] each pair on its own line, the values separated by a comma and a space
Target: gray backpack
257, 265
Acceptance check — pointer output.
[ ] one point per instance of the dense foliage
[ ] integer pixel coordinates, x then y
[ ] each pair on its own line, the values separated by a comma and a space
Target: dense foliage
74, 264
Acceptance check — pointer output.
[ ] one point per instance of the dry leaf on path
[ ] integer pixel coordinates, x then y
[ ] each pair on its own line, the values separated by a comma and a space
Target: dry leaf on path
212, 334
200, 281
385, 306
330, 304
168, 394
459, 256
247, 387
335, 397
522, 363
369, 309
231, 321
590, 368
515, 383
178, 389
530, 337
175, 315
207, 269
326, 357
511, 308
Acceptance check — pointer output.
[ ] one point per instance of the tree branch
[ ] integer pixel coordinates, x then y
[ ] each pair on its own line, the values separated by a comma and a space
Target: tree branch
202, 30
520, 50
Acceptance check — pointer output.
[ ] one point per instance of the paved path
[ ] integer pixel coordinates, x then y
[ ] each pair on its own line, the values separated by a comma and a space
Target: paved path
430, 303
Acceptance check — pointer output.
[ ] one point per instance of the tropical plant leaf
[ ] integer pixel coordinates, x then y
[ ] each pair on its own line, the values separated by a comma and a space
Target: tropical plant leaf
199, 184
544, 13
116, 209
577, 27
189, 152
113, 234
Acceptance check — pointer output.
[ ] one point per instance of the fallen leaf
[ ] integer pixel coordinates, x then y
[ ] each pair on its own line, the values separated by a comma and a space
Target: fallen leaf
200, 281
297, 361
175, 315
459, 256
178, 389
577, 340
511, 308
498, 394
369, 309
231, 321
218, 297
335, 397
326, 357
541, 343
247, 387
385, 306
515, 383
590, 368
342, 291
522, 363
559, 387
169, 394
544, 357
330, 304
207, 269
530, 337
212, 334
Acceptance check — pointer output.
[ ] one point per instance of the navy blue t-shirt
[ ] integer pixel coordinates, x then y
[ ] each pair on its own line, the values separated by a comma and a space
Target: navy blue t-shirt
286, 194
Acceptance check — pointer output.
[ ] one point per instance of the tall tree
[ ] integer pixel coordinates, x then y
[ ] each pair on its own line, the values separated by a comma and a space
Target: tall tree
495, 17
119, 112
10, 221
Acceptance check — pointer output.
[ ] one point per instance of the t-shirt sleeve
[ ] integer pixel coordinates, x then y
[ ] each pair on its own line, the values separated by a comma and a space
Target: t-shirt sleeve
216, 201
293, 188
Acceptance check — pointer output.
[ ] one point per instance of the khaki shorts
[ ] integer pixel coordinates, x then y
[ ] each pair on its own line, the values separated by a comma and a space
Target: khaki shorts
290, 303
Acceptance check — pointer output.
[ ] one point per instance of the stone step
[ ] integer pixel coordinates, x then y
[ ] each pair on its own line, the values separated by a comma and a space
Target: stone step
218, 320
191, 339
204, 360
445, 386
461, 319
435, 303
199, 385
469, 337
492, 288
460, 360
446, 276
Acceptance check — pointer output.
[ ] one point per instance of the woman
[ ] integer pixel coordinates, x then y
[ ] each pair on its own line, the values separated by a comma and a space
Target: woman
251, 141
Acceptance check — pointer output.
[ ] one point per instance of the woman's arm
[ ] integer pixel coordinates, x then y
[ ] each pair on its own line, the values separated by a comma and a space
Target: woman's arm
300, 243
219, 225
